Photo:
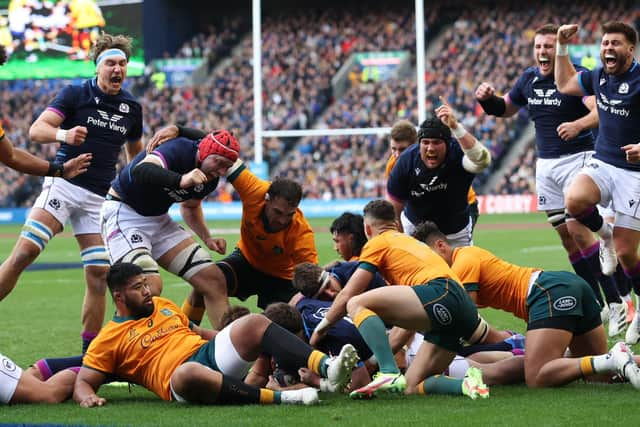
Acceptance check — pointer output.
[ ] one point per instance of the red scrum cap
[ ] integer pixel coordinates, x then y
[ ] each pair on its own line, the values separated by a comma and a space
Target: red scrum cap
220, 142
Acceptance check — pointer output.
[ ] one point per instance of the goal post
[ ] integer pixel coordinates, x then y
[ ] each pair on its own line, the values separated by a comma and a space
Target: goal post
260, 133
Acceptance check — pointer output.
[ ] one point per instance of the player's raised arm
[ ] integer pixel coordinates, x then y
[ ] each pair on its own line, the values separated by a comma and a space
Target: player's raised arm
565, 74
476, 156
492, 104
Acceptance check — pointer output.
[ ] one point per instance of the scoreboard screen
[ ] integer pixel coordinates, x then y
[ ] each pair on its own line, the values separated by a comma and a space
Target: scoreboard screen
52, 38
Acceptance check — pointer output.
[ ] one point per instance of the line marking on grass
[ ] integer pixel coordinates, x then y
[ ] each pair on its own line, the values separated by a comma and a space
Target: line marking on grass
235, 230
224, 230
546, 248
47, 281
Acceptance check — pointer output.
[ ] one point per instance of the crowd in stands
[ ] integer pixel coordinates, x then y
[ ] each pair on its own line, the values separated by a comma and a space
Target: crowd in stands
519, 177
18, 109
216, 42
489, 43
302, 51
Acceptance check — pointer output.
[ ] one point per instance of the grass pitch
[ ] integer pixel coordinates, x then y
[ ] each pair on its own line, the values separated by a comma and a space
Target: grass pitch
41, 318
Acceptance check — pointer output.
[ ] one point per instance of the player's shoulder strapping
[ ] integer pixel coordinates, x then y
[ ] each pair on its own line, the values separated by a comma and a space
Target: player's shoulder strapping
235, 170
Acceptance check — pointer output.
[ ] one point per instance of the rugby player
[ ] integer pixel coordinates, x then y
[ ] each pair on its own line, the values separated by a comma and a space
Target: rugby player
559, 307
97, 118
613, 173
152, 343
564, 143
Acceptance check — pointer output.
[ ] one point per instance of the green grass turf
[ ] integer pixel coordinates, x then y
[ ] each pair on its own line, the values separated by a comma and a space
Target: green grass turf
41, 318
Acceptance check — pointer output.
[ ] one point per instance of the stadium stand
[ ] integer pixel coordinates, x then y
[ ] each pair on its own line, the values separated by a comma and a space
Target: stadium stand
504, 30
302, 51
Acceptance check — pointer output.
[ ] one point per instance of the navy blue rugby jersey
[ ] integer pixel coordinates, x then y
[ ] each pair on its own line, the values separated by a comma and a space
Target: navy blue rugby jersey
343, 332
177, 155
111, 121
344, 270
438, 195
548, 109
618, 99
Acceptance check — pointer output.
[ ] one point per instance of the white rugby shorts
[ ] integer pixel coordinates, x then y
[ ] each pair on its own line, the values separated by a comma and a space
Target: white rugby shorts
227, 359
123, 230
619, 190
69, 202
10, 374
461, 238
553, 177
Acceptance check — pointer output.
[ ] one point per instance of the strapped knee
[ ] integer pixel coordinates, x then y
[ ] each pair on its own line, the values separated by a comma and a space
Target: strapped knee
189, 261
556, 217
143, 259
95, 256
37, 233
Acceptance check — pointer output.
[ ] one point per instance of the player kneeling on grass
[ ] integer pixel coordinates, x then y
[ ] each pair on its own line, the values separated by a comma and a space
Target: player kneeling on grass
319, 287
152, 343
559, 307
17, 386
430, 301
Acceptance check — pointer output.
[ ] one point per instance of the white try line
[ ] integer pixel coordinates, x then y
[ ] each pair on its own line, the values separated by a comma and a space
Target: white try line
215, 231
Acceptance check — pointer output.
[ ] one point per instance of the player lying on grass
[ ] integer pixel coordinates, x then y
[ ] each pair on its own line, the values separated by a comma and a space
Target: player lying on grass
318, 287
152, 343
559, 307
18, 386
